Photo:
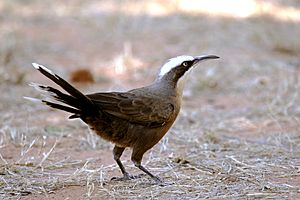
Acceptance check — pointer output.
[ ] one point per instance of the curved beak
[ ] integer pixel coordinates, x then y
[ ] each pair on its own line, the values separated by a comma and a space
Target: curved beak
204, 57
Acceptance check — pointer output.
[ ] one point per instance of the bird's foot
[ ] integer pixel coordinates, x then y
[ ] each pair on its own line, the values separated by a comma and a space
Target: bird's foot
127, 176
157, 179
160, 182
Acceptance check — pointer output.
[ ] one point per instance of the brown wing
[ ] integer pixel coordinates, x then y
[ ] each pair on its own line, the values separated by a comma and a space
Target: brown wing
138, 109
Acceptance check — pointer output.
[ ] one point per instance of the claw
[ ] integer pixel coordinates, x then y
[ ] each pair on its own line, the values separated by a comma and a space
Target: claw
160, 182
126, 177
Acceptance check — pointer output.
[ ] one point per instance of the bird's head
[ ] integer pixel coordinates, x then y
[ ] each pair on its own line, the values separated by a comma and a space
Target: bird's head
176, 67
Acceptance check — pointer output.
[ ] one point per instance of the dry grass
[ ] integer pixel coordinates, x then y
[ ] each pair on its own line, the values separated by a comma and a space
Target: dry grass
238, 133
196, 166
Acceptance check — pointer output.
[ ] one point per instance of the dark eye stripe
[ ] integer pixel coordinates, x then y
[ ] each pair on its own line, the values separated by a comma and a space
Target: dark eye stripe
185, 63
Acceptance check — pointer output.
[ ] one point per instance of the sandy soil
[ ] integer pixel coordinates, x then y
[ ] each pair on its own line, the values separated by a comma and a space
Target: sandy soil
237, 136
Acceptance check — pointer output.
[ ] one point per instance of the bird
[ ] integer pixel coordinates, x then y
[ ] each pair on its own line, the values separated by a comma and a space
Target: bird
136, 119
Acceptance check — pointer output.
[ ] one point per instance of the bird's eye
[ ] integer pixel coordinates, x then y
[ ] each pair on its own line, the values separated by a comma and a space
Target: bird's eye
185, 64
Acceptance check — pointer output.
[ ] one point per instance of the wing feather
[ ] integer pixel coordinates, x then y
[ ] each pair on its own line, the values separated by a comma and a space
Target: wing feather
146, 109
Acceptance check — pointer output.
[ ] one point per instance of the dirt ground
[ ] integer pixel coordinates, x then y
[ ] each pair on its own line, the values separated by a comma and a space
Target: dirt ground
237, 136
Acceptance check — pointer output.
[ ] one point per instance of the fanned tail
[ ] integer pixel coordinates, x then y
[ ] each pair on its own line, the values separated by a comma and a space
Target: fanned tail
74, 102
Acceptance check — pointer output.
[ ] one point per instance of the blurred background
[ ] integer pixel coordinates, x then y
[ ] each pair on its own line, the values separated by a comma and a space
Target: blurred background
250, 93
124, 40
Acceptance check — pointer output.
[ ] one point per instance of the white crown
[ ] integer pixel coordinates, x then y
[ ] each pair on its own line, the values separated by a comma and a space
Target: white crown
173, 62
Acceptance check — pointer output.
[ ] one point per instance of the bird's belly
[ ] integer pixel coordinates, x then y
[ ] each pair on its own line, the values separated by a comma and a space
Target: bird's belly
125, 134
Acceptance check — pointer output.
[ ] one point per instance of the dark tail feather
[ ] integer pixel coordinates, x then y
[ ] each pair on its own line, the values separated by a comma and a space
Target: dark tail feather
62, 107
62, 83
58, 95
76, 102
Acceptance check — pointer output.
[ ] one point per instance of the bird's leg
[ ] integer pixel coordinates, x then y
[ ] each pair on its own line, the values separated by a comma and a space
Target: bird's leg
118, 151
155, 178
137, 159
